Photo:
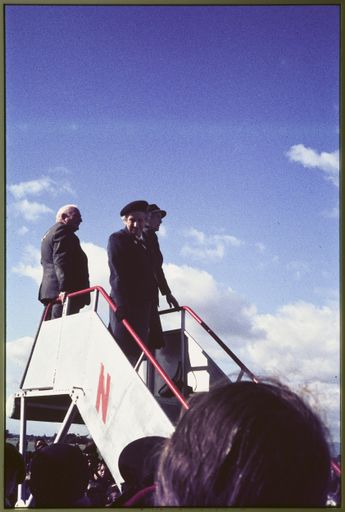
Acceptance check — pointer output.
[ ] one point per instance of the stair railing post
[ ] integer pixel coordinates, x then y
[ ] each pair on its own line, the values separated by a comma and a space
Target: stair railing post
95, 300
65, 309
183, 347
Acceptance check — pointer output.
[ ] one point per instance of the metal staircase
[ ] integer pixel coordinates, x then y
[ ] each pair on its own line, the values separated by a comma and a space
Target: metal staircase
77, 373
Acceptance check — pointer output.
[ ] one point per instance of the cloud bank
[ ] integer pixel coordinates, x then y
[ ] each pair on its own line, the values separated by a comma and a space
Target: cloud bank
328, 163
202, 247
22, 192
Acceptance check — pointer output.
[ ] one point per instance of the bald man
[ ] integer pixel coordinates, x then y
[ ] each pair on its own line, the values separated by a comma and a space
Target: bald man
65, 265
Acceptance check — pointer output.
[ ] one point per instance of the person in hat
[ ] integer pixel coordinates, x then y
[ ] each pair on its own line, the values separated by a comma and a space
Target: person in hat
132, 280
153, 222
138, 462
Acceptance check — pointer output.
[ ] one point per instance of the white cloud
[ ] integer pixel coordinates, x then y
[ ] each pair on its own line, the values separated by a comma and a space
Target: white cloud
32, 187
328, 163
215, 303
298, 335
30, 266
204, 247
42, 185
299, 344
98, 265
17, 354
31, 211
301, 348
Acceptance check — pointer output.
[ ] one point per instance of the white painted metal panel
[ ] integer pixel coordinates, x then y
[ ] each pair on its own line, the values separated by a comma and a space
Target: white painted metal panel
75, 339
132, 412
41, 371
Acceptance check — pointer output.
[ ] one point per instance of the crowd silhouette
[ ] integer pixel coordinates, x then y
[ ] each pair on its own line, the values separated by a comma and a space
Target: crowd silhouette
244, 444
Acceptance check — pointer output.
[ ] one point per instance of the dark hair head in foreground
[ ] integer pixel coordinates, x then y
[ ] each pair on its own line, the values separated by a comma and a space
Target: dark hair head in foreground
243, 445
59, 476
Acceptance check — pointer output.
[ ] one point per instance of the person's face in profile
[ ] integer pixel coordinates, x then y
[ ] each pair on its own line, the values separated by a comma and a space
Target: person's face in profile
135, 223
155, 220
73, 218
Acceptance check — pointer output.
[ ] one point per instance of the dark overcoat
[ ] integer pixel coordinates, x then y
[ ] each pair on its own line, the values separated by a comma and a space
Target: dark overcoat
133, 288
65, 265
151, 240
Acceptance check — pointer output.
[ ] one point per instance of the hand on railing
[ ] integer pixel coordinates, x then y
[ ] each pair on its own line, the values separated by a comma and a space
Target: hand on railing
172, 301
61, 297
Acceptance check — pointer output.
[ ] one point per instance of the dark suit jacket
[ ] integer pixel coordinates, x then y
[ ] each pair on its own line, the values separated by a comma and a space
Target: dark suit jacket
131, 270
65, 266
151, 240
133, 288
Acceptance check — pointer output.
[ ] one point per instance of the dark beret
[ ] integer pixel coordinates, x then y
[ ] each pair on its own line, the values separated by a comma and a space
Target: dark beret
134, 206
139, 459
155, 208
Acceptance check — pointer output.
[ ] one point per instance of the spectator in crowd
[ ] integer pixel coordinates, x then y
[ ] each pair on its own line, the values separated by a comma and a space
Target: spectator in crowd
14, 473
245, 445
91, 454
65, 265
100, 485
132, 280
137, 464
59, 477
40, 443
153, 222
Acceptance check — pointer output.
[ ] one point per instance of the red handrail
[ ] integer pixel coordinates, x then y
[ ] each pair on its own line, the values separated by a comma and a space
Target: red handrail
336, 467
216, 338
141, 344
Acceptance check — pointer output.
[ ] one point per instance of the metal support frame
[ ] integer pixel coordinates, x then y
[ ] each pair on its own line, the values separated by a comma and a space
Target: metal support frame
68, 420
22, 442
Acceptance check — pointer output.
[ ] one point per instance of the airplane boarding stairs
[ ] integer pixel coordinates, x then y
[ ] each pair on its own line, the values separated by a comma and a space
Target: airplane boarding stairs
77, 374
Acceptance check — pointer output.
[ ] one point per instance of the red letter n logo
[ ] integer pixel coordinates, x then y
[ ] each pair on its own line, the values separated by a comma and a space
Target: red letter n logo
103, 394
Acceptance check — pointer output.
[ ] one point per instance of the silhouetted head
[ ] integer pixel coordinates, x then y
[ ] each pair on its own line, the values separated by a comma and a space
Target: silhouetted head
138, 460
245, 444
14, 469
59, 476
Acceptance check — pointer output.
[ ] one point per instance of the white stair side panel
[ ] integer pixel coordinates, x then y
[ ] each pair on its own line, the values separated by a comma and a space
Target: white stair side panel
75, 345
132, 412
41, 371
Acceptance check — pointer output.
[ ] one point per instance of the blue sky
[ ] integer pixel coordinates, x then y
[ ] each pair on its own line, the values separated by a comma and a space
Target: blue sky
225, 116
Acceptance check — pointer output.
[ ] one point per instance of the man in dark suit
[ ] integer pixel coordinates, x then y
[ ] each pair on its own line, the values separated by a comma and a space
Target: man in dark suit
65, 265
132, 280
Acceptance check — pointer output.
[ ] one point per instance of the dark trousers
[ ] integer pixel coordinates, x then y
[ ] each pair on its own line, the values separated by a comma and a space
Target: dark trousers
138, 316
